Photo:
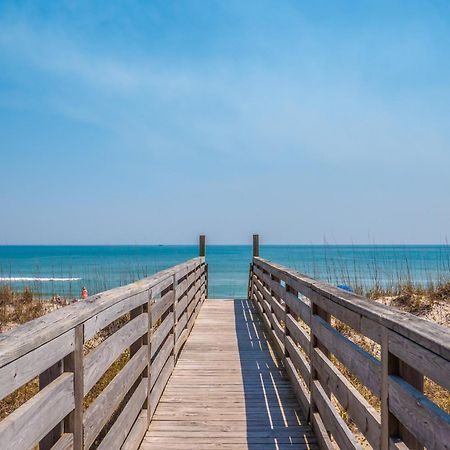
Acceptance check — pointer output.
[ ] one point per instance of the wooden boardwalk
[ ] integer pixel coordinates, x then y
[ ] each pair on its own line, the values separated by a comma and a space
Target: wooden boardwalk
227, 390
202, 374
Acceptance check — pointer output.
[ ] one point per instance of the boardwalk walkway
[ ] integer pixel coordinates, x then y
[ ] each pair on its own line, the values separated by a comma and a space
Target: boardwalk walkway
227, 390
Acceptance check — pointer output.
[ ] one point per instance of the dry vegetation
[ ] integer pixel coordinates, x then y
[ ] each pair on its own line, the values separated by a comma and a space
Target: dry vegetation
431, 303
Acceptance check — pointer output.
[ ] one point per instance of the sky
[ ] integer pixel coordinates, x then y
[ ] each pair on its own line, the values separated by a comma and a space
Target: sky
140, 122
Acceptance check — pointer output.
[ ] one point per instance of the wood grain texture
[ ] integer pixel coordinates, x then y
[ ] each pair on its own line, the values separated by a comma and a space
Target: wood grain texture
434, 337
99, 412
27, 337
28, 424
99, 359
25, 368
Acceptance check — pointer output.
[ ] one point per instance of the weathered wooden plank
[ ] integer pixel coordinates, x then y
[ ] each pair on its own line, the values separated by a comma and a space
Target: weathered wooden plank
365, 416
99, 359
332, 420
65, 442
160, 360
27, 337
430, 335
28, 424
422, 359
123, 424
160, 334
99, 412
74, 363
160, 384
161, 305
181, 324
361, 363
137, 433
298, 360
109, 315
428, 423
300, 391
25, 368
297, 306
321, 432
298, 335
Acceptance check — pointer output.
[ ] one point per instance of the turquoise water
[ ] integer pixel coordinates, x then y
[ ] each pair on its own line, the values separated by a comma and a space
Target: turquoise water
64, 270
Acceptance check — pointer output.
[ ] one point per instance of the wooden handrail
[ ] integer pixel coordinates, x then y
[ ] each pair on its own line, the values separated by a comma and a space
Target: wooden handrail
161, 310
302, 315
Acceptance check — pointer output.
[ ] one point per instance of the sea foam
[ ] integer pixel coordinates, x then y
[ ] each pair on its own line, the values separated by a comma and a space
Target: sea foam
38, 279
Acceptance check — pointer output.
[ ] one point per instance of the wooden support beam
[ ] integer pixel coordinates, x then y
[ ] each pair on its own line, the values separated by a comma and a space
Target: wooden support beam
255, 245
202, 245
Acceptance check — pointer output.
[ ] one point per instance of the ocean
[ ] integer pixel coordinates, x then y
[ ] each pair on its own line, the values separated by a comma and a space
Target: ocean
64, 270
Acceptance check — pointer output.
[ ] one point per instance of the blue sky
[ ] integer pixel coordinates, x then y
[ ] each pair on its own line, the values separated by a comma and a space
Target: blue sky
149, 122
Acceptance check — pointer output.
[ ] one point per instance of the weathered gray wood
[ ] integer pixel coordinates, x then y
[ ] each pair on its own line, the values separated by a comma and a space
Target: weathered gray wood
28, 366
422, 359
428, 423
45, 378
332, 420
74, 363
202, 245
361, 363
365, 416
27, 337
99, 412
137, 433
321, 432
109, 315
65, 442
297, 306
298, 335
255, 245
302, 394
430, 335
161, 333
160, 384
28, 424
123, 424
160, 360
161, 305
99, 359
299, 361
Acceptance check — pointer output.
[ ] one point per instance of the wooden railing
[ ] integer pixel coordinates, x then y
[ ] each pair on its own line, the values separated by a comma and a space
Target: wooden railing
146, 323
357, 366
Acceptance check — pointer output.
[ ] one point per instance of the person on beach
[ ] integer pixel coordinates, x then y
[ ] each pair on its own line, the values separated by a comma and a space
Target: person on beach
84, 293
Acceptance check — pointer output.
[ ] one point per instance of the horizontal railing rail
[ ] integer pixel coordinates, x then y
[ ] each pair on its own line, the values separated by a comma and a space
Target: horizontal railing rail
357, 366
138, 329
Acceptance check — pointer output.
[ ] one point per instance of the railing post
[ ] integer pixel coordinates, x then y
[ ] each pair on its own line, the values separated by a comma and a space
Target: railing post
250, 282
148, 370
392, 365
202, 245
175, 319
45, 378
255, 245
74, 363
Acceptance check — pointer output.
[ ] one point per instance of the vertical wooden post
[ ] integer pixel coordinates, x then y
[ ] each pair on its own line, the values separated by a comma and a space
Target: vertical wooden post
148, 372
250, 282
74, 363
206, 282
175, 319
390, 426
255, 245
45, 378
202, 245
